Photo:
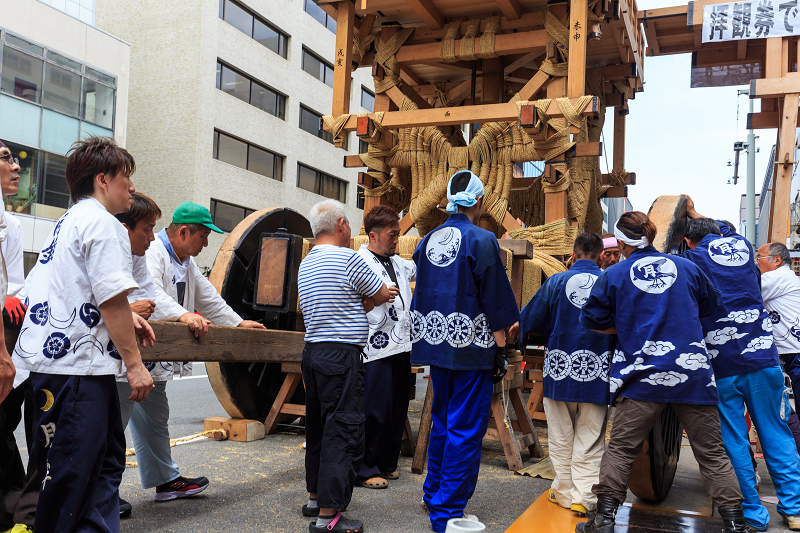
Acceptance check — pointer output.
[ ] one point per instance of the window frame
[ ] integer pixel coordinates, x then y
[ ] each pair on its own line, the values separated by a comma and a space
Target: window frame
278, 162
328, 66
319, 177
322, 134
213, 211
329, 24
371, 94
283, 43
280, 98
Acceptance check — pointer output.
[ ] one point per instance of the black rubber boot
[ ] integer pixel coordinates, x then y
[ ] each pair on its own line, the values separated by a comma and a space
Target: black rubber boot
733, 520
603, 519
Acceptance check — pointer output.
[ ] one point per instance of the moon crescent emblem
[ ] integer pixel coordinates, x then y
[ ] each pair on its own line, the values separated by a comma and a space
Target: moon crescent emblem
396, 337
589, 283
61, 324
383, 322
448, 238
91, 339
22, 352
49, 401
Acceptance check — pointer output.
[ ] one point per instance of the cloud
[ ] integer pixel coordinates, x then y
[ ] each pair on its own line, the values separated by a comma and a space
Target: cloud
742, 317
759, 343
666, 379
619, 357
713, 382
701, 344
614, 384
657, 347
721, 336
692, 361
712, 353
637, 365
766, 325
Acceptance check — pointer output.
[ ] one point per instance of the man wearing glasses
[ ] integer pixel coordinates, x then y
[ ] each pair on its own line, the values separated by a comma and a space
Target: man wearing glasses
19, 492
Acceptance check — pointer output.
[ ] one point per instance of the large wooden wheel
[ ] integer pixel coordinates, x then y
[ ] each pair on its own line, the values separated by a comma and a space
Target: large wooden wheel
654, 469
247, 390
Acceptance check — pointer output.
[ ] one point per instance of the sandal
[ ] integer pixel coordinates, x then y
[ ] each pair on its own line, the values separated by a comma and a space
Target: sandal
339, 523
373, 483
390, 475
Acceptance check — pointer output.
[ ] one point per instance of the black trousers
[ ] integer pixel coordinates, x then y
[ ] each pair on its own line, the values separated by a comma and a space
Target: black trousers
19, 491
333, 374
386, 407
79, 446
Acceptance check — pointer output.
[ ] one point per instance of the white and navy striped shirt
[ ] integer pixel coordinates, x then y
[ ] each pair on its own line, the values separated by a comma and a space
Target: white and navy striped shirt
330, 284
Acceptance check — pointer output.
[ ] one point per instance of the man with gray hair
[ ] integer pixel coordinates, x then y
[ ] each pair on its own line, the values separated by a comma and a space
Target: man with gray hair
780, 289
336, 288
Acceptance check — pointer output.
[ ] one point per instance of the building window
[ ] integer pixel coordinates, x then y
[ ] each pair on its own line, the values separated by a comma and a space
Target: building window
360, 197
320, 183
363, 146
309, 121
319, 15
249, 23
249, 90
367, 99
247, 156
47, 78
317, 67
227, 216
42, 182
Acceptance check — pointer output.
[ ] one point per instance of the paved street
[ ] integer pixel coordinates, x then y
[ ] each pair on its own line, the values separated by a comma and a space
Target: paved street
259, 486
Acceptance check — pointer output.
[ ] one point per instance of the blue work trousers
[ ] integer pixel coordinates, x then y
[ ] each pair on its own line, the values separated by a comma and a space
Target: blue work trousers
762, 392
79, 448
149, 421
461, 403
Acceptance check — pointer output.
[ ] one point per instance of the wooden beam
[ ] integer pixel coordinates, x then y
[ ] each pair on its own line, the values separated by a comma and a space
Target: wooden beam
774, 87
398, 93
449, 116
518, 247
784, 160
521, 61
741, 49
510, 8
428, 12
764, 121
534, 85
406, 224
527, 21
176, 342
619, 143
506, 44
615, 192
408, 76
345, 13
619, 72
576, 68
606, 181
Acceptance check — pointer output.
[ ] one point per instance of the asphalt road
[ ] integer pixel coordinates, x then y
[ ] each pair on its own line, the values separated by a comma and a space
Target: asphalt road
259, 486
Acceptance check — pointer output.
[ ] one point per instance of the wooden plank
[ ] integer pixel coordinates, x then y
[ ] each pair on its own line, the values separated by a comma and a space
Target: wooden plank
534, 85
424, 433
290, 384
506, 44
555, 204
176, 342
615, 192
521, 61
345, 13
510, 8
518, 247
619, 143
449, 116
784, 160
510, 448
406, 224
530, 440
576, 68
428, 12
605, 179
619, 72
397, 93
741, 49
774, 87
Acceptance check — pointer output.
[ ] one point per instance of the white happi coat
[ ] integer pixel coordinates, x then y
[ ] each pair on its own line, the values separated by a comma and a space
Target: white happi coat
390, 323
200, 295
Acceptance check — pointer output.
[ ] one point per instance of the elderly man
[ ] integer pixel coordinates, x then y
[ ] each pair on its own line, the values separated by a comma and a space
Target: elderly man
388, 352
462, 305
780, 289
740, 349
181, 292
611, 253
336, 288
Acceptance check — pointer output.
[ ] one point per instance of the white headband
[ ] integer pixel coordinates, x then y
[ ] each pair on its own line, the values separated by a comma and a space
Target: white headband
640, 243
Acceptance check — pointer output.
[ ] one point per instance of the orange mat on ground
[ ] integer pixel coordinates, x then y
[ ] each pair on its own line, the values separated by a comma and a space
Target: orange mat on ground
545, 517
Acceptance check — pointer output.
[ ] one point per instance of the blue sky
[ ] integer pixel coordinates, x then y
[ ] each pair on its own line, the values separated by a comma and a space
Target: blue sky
679, 140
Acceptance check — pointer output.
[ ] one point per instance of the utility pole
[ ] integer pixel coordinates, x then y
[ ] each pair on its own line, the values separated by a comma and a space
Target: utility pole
750, 200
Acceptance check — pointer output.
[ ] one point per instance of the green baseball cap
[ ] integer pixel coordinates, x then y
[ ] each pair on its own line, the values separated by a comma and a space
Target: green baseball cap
192, 213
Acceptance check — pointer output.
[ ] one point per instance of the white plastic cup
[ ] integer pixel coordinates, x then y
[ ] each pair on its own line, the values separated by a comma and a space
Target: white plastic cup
462, 525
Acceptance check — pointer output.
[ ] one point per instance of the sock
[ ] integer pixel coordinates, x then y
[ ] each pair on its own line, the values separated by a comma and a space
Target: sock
323, 521
312, 503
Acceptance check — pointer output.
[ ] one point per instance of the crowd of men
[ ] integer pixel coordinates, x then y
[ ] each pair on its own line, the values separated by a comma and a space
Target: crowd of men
704, 332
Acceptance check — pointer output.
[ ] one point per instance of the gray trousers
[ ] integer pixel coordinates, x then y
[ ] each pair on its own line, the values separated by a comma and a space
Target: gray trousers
633, 420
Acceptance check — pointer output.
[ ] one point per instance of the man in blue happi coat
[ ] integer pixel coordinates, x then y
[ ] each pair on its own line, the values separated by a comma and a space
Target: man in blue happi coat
576, 364
738, 337
462, 304
653, 302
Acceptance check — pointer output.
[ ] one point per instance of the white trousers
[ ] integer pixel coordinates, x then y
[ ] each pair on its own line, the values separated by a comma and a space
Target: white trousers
576, 437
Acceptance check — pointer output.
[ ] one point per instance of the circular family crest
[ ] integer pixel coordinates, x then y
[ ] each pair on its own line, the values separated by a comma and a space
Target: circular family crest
460, 330
585, 366
443, 245
557, 364
729, 251
435, 327
483, 336
578, 288
654, 274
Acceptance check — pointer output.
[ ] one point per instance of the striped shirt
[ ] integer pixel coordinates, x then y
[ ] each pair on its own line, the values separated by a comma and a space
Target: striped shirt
330, 284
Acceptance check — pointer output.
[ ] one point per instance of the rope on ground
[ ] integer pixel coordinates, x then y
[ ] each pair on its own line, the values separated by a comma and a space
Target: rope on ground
173, 442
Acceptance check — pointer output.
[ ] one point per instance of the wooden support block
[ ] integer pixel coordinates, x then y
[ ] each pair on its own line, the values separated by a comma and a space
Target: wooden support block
774, 88
281, 404
239, 429
629, 180
415, 369
618, 164
615, 192
364, 127
519, 247
424, 434
615, 99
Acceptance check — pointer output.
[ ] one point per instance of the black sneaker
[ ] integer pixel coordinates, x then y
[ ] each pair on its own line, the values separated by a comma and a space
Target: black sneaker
125, 508
181, 487
310, 511
342, 524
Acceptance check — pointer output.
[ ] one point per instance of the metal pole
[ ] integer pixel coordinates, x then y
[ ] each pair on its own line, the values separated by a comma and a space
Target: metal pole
750, 213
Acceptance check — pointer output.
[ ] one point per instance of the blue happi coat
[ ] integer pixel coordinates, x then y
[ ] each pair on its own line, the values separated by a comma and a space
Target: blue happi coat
655, 301
739, 333
576, 359
462, 295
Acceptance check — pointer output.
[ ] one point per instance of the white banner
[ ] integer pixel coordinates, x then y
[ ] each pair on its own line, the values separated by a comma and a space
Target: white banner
756, 19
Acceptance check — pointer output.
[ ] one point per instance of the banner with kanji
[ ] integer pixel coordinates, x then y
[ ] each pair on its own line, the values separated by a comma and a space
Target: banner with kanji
755, 19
